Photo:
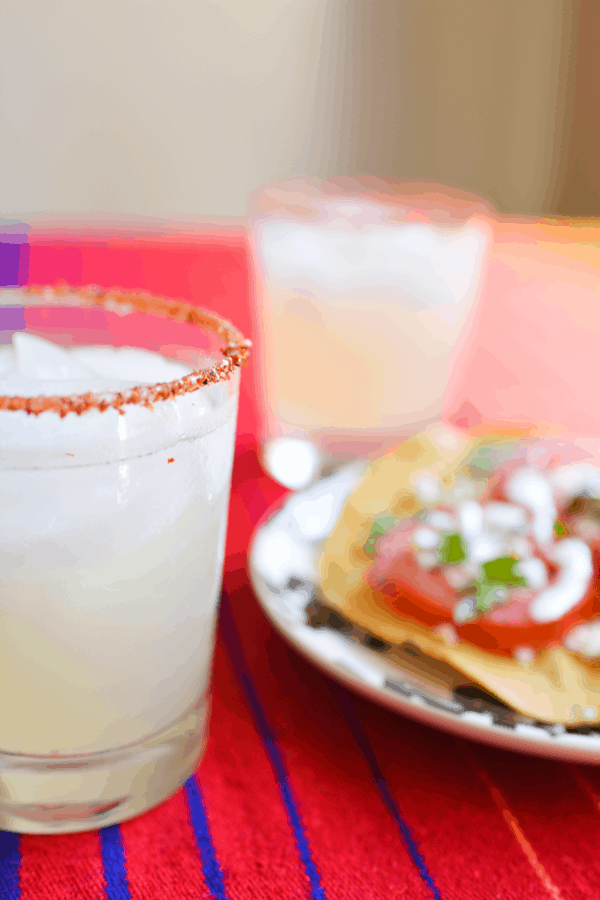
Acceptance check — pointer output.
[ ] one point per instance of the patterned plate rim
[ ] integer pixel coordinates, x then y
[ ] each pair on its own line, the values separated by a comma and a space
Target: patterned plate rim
282, 564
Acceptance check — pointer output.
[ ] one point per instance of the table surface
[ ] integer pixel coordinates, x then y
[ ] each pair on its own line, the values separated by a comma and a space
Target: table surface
307, 791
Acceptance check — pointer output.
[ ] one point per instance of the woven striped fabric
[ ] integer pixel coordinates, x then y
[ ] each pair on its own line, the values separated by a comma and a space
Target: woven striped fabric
309, 792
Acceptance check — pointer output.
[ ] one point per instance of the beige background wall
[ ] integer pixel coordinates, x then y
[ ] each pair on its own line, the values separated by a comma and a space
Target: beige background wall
181, 107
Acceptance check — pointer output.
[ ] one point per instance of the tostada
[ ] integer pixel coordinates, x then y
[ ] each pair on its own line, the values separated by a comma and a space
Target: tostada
483, 550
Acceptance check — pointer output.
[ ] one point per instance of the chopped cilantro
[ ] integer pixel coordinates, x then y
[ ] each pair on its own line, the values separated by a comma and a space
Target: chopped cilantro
492, 586
452, 549
488, 594
379, 527
559, 529
502, 571
482, 459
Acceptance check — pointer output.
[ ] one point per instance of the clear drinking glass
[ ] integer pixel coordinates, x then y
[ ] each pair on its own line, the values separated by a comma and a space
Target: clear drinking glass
366, 290
113, 509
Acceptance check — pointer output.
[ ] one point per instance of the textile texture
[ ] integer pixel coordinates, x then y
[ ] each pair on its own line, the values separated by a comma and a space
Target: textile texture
306, 790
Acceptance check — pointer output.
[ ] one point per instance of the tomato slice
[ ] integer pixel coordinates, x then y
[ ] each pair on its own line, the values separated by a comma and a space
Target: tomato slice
428, 598
428, 593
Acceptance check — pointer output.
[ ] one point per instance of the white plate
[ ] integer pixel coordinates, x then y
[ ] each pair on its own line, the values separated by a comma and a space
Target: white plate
283, 570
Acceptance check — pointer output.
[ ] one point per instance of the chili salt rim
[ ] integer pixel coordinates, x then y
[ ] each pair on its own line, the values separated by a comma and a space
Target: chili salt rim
235, 350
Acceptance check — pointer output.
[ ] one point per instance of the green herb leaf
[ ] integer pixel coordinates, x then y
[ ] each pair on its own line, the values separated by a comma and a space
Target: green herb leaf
482, 459
452, 549
379, 527
489, 594
559, 529
503, 571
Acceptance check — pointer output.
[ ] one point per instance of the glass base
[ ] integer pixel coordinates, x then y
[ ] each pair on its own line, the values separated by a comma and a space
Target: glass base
297, 459
53, 795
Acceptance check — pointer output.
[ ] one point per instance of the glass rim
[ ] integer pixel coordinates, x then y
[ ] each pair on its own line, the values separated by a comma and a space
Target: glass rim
235, 347
408, 200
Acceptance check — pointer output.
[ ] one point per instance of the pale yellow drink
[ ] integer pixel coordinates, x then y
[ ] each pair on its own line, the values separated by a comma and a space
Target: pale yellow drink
362, 315
112, 534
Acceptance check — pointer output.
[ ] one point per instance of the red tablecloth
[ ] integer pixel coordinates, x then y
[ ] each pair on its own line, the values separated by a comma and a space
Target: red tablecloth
309, 792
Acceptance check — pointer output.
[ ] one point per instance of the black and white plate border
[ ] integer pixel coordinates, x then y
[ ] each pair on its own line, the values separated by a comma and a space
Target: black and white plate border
282, 566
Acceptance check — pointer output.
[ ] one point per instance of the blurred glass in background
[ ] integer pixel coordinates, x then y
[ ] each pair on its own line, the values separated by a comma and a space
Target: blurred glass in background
366, 290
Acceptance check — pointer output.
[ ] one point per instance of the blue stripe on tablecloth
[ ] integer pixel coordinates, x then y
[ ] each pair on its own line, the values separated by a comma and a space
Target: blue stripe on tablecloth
113, 862
238, 661
349, 713
10, 865
213, 875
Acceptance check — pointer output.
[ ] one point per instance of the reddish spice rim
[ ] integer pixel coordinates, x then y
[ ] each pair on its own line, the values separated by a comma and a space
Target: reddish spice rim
235, 348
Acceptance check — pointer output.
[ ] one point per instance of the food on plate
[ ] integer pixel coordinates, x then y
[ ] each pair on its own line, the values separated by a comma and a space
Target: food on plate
483, 550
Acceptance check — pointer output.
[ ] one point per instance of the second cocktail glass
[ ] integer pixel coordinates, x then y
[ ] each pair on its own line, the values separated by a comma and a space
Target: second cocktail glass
365, 292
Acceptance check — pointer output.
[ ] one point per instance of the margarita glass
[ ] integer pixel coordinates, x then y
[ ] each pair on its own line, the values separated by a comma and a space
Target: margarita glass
366, 290
117, 428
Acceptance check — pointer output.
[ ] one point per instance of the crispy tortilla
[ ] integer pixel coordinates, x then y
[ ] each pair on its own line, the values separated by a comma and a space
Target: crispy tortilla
557, 686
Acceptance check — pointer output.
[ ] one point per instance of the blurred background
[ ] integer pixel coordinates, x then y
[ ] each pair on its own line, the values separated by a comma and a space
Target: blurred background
179, 108
133, 131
